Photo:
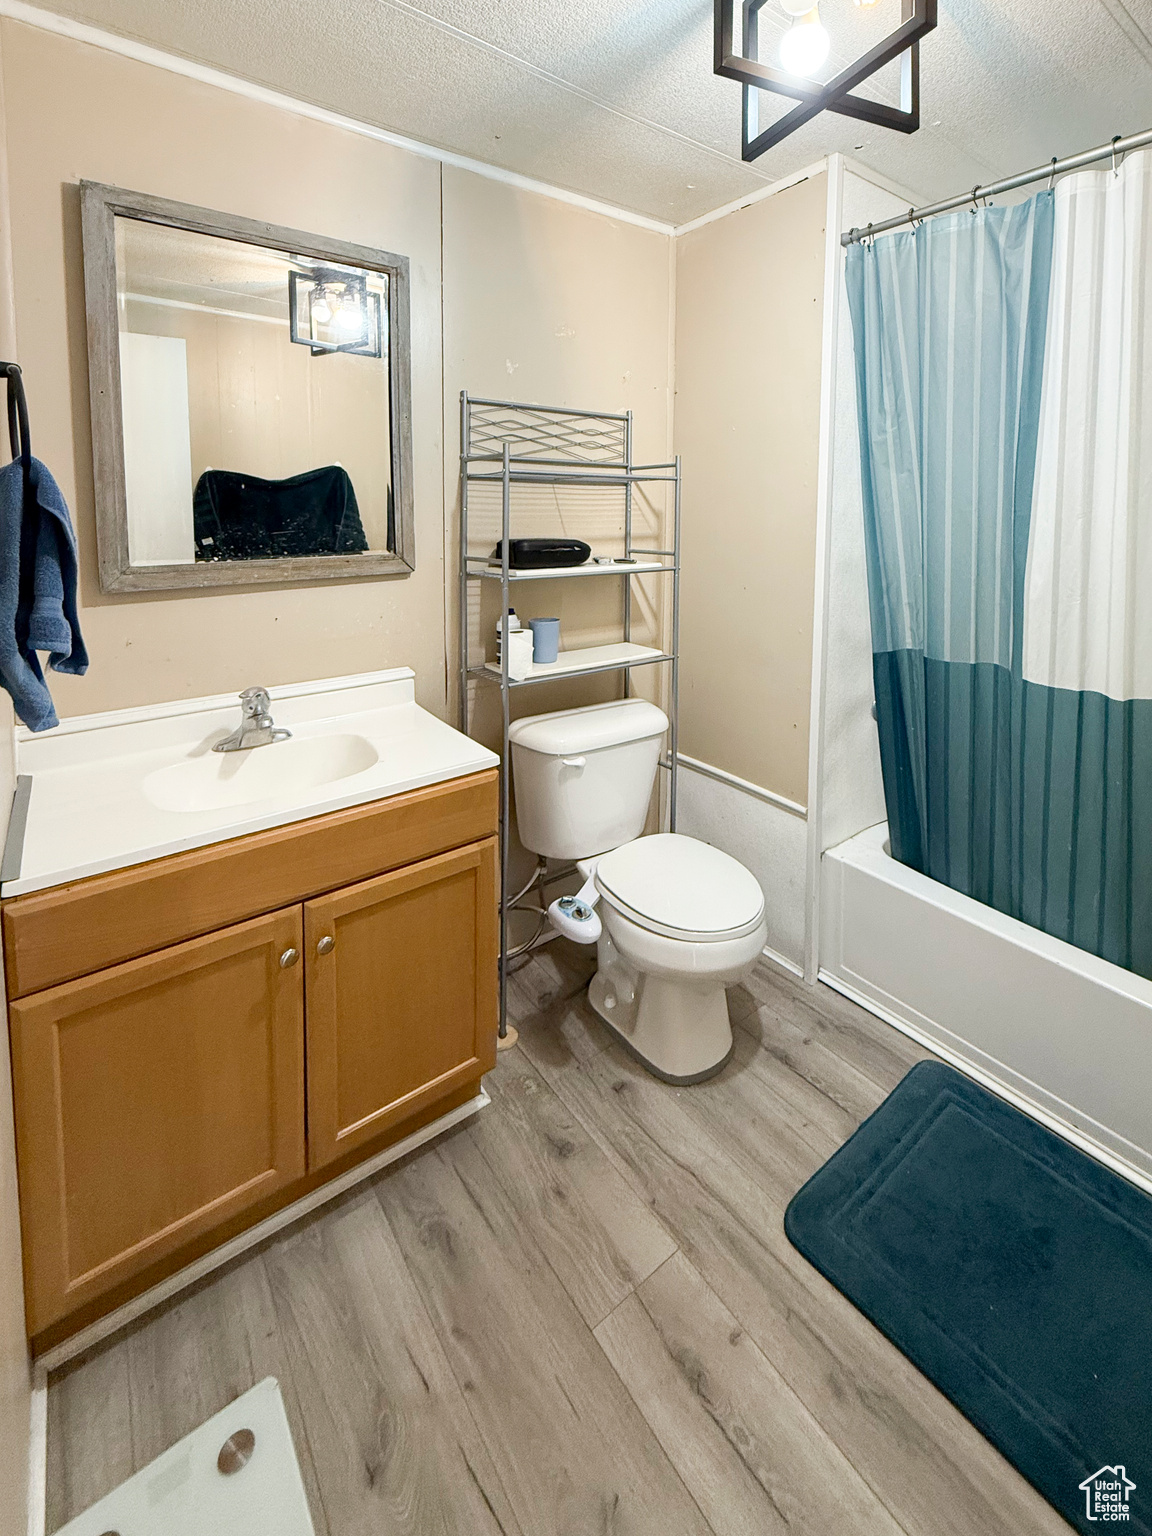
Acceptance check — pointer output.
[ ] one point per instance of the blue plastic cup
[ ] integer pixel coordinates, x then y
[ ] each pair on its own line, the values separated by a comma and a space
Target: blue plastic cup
545, 640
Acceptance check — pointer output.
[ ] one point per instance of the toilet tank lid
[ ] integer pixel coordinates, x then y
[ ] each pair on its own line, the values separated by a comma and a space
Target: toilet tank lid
584, 730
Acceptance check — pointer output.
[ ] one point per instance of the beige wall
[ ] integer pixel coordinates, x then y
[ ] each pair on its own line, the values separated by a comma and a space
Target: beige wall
77, 112
15, 1380
749, 294
15, 1375
540, 301
549, 303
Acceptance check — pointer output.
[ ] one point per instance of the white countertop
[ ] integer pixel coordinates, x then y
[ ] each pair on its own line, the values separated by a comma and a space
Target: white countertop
90, 812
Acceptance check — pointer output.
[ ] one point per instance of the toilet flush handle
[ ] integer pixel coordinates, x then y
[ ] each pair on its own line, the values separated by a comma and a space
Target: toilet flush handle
572, 762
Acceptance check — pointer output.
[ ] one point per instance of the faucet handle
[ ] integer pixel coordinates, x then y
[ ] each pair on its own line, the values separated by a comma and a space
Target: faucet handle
255, 701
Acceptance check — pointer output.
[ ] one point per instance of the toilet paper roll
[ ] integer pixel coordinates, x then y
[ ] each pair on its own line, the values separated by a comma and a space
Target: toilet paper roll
519, 654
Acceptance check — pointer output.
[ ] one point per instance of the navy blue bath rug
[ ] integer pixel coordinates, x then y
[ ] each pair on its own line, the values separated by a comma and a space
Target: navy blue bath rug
1014, 1271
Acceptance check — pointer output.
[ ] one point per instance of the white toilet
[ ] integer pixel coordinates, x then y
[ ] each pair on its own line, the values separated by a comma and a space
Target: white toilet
681, 921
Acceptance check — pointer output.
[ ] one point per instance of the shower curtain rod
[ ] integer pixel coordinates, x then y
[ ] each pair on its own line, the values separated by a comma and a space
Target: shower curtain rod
1055, 167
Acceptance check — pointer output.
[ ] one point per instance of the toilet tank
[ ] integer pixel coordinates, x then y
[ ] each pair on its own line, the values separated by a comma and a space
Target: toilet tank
583, 777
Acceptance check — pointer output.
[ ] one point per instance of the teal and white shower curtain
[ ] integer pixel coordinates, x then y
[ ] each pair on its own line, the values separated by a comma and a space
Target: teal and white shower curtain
1004, 391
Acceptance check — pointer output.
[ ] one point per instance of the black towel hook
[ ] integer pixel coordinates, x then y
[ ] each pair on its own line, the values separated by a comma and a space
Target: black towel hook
18, 433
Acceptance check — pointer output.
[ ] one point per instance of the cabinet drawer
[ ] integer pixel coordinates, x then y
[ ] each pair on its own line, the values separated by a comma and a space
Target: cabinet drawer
153, 1102
68, 931
401, 989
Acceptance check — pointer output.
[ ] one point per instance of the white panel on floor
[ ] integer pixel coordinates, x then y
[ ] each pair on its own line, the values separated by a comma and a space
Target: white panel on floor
183, 1492
769, 841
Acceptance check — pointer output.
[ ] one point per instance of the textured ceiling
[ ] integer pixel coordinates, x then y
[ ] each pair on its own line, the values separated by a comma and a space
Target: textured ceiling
616, 98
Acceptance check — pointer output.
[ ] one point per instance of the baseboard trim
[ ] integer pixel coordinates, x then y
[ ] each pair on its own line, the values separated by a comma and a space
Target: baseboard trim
104, 1327
38, 1454
776, 958
1018, 1091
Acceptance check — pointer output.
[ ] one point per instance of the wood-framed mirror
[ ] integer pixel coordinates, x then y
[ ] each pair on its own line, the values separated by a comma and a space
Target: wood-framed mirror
251, 399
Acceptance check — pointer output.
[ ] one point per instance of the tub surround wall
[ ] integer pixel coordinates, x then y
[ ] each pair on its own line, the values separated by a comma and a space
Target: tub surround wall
845, 790
852, 790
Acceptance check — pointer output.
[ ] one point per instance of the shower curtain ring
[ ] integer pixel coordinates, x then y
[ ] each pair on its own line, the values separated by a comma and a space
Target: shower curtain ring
1115, 141
975, 204
1052, 173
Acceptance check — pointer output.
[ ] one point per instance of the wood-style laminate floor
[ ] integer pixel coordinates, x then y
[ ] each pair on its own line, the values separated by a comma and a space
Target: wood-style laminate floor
576, 1313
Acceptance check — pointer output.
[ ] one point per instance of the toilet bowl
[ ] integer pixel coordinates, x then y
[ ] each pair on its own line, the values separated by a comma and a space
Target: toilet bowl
682, 922
679, 921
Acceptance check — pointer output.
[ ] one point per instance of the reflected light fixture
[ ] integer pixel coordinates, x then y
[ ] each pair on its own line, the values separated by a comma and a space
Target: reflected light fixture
333, 310
803, 51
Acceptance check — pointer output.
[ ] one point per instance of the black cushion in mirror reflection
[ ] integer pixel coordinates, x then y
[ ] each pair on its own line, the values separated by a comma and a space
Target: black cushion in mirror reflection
242, 517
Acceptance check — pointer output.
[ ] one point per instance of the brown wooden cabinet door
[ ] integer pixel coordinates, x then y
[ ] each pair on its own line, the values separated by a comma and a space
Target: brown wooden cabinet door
401, 986
153, 1101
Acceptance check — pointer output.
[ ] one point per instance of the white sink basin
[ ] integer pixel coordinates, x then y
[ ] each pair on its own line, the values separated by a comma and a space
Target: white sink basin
131, 786
282, 770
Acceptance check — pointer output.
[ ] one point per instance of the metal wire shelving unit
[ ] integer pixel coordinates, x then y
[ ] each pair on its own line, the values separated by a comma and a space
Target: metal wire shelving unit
505, 444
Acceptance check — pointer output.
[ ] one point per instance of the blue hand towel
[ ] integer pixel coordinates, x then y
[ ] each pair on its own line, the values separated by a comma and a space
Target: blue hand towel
37, 591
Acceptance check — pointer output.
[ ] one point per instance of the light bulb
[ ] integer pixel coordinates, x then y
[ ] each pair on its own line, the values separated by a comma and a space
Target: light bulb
348, 317
321, 311
805, 45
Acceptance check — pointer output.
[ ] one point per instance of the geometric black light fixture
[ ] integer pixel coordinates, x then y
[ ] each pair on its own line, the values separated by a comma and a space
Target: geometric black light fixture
808, 47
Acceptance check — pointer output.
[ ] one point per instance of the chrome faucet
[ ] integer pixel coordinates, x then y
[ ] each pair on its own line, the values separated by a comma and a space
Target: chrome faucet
255, 728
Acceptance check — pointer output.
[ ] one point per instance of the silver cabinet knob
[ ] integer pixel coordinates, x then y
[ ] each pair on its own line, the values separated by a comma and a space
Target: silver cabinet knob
289, 957
326, 945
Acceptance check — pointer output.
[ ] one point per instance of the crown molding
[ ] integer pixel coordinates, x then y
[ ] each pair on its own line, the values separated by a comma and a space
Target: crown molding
177, 64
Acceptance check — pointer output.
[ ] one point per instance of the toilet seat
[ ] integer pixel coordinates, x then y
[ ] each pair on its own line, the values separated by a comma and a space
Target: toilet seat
681, 888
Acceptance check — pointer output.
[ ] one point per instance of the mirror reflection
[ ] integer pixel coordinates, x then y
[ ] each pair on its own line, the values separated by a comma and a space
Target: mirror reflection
255, 400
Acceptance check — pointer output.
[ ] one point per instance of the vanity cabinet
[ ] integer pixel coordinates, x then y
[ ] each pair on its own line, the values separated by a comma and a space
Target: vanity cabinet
376, 1054
167, 1099
154, 1100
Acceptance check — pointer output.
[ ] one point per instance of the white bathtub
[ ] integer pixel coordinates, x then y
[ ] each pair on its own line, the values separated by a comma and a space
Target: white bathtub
1065, 1036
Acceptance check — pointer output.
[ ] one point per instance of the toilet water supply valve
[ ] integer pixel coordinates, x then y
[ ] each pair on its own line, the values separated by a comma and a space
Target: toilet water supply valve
576, 916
